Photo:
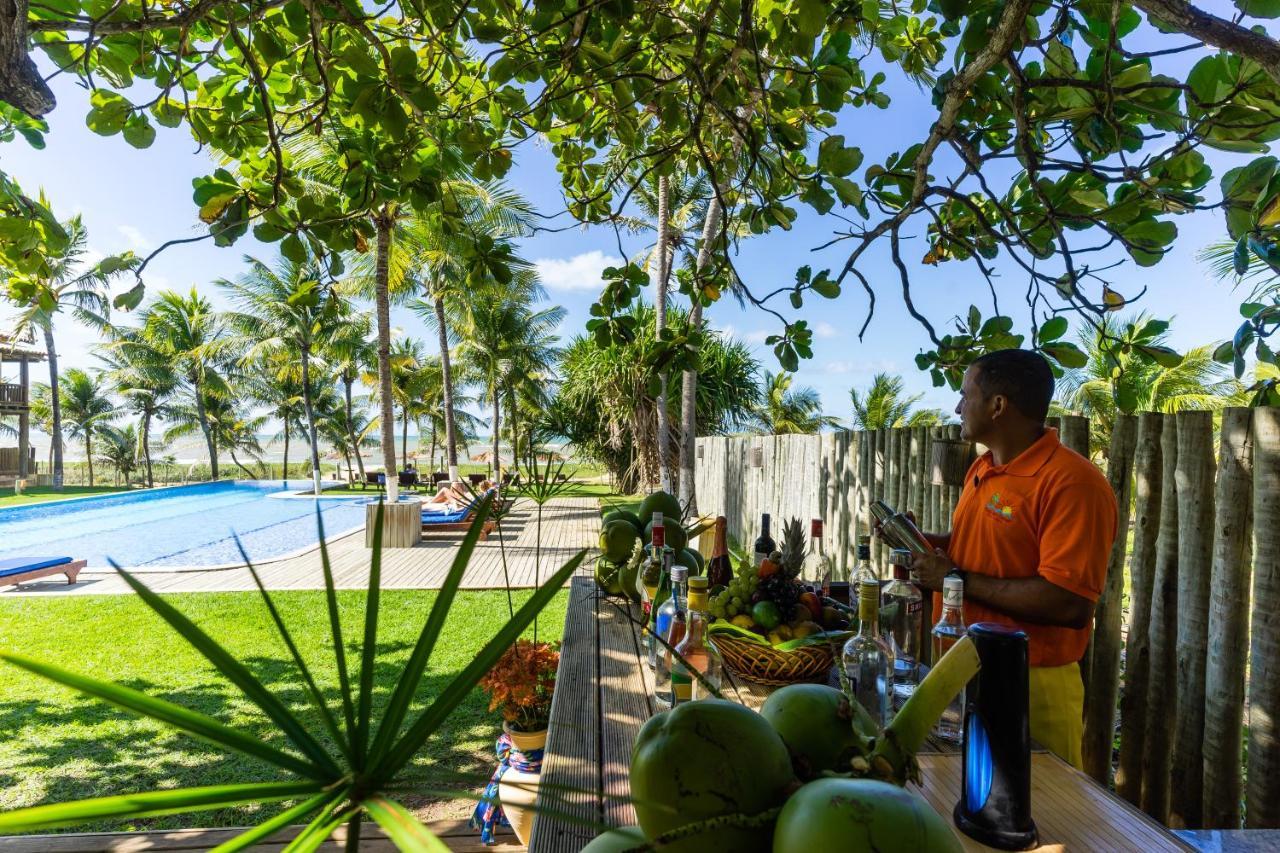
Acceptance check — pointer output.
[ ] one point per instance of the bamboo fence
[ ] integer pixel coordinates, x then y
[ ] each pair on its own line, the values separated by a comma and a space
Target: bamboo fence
1185, 650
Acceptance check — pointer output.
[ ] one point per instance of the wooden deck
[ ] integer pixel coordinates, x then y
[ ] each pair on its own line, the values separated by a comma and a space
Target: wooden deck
568, 525
603, 696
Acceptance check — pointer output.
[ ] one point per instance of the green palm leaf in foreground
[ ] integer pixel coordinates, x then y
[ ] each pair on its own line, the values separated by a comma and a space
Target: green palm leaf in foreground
331, 788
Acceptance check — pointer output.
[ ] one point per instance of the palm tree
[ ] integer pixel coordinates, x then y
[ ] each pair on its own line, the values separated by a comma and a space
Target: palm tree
232, 428
883, 405
41, 412
1138, 382
787, 410
144, 380
286, 309
119, 449
190, 336
86, 407
351, 351
508, 345
82, 287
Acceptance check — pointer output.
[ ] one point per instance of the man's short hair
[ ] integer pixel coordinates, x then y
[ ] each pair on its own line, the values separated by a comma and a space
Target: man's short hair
1023, 377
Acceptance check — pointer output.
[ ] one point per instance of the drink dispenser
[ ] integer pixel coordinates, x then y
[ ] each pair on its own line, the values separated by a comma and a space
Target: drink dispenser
995, 790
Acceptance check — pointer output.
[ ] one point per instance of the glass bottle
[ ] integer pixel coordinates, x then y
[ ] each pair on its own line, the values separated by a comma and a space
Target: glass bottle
764, 542
817, 568
719, 567
671, 625
863, 571
650, 574
695, 650
660, 598
868, 659
901, 609
948, 630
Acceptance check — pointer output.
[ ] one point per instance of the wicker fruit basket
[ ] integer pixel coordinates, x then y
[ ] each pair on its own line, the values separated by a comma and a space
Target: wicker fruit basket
768, 665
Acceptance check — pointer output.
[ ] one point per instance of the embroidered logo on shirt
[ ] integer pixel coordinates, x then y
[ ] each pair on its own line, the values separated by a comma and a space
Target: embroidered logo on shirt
999, 509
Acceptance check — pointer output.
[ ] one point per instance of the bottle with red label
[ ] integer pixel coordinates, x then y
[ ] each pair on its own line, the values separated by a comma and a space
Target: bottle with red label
901, 610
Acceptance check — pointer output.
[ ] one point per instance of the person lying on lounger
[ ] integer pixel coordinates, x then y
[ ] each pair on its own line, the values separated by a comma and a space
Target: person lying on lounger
449, 498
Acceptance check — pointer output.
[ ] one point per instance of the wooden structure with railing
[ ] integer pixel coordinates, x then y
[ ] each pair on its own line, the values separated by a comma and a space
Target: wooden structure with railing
1173, 666
15, 402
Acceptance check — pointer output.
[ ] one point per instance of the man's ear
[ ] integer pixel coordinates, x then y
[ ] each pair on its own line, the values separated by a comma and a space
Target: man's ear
999, 405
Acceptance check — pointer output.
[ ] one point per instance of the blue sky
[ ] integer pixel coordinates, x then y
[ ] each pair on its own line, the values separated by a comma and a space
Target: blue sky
133, 199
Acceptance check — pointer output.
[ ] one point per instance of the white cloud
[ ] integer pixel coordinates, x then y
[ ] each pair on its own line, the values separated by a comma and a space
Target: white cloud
824, 330
136, 241
867, 368
581, 272
756, 337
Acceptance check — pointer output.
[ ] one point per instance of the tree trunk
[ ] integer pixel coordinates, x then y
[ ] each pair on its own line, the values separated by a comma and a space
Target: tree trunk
689, 381
311, 420
347, 381
1100, 713
382, 307
240, 465
55, 408
446, 373
1163, 635
1229, 599
1195, 561
1262, 799
497, 462
146, 447
203, 416
404, 436
88, 452
432, 454
284, 474
1137, 658
659, 324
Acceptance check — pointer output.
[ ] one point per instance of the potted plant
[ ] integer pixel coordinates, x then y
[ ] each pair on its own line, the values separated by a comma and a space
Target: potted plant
520, 684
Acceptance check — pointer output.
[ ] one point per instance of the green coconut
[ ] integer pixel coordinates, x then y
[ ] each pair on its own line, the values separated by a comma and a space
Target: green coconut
860, 816
816, 722
627, 516
698, 563
609, 576
616, 840
703, 760
677, 538
617, 538
662, 502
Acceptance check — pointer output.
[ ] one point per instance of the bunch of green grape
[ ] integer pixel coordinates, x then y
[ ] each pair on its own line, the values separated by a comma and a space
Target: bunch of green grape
735, 598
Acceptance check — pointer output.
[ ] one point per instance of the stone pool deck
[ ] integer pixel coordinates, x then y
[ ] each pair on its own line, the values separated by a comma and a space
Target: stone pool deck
568, 525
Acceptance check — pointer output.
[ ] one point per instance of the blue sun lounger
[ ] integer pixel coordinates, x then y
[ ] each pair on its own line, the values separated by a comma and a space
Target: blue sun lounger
458, 521
16, 570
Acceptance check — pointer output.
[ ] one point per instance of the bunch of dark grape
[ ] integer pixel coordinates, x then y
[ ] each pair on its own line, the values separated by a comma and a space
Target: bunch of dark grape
782, 591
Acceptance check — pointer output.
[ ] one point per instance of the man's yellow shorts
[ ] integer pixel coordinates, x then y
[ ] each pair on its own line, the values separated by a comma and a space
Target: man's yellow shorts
1057, 710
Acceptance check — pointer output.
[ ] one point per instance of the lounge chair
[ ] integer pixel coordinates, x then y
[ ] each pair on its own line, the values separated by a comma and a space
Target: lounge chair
16, 570
458, 521
373, 478
408, 479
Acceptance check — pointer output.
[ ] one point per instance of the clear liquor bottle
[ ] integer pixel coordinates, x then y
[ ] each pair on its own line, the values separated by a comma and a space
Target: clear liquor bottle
695, 650
946, 632
816, 569
863, 571
650, 574
658, 599
671, 627
868, 659
901, 610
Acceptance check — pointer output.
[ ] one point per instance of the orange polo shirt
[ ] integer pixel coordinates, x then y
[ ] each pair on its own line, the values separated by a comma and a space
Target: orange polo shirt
1048, 512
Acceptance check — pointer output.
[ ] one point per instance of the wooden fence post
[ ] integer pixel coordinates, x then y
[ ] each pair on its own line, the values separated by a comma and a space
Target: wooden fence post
1229, 600
1073, 432
1262, 795
1162, 636
906, 468
879, 465
919, 466
1104, 673
1146, 523
953, 492
1195, 562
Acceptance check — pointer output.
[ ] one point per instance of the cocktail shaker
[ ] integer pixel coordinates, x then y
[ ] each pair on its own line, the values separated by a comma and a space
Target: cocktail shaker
899, 529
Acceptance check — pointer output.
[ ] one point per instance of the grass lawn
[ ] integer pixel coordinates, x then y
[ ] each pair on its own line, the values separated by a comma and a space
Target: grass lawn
39, 494
59, 746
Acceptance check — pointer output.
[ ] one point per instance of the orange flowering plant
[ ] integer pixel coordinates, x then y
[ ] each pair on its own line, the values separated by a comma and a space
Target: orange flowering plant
521, 684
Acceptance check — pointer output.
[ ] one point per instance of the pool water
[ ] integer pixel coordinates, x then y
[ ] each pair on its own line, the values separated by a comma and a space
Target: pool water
178, 526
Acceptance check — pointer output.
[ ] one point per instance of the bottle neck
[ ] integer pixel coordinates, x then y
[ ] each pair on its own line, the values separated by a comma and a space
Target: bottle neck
721, 548
764, 527
659, 538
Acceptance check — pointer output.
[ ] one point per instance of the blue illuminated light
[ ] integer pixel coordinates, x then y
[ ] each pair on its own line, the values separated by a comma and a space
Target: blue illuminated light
977, 764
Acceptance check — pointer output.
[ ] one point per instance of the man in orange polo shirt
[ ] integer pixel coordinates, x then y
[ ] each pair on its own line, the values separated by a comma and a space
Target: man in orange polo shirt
1031, 535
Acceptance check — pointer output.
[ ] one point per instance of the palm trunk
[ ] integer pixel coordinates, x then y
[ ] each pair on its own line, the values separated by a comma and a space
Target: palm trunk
497, 462
347, 381
284, 474
55, 405
311, 420
404, 437
446, 371
208, 433
432, 454
660, 323
240, 465
689, 384
146, 447
382, 307
88, 453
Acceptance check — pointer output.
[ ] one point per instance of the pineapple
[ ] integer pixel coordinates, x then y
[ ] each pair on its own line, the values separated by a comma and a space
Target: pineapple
781, 587
792, 549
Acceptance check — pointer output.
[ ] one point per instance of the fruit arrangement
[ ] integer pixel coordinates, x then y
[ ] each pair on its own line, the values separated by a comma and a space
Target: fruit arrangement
811, 771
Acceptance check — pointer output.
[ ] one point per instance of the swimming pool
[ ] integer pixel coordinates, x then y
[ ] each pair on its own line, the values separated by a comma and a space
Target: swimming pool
177, 526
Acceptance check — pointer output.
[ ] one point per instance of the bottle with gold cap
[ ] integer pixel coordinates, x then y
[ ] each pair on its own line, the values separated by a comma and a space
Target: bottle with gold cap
696, 650
867, 659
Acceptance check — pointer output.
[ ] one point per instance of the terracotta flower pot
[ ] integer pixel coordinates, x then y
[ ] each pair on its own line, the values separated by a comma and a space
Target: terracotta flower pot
518, 790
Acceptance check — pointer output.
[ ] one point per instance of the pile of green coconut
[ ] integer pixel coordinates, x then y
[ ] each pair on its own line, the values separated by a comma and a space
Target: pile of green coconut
623, 535
809, 773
